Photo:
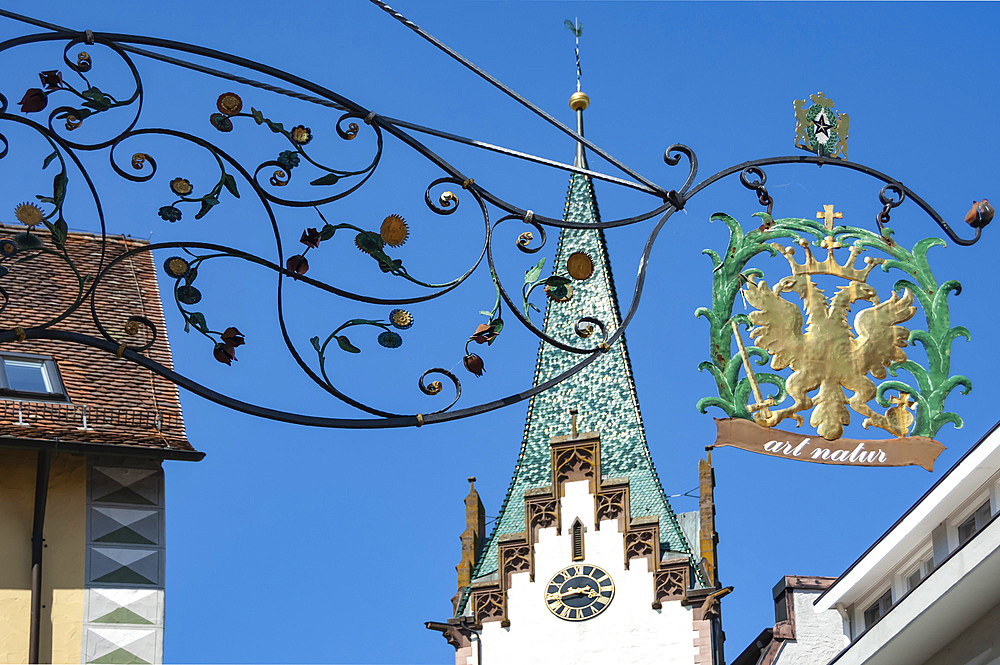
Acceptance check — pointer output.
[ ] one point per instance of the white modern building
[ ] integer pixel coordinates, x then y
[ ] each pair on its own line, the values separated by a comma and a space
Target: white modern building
926, 593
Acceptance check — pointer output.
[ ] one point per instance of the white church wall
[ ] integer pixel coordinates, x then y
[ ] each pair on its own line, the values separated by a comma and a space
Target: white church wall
627, 631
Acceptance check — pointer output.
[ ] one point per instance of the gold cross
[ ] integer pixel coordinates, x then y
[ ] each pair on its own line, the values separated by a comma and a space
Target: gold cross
903, 400
828, 215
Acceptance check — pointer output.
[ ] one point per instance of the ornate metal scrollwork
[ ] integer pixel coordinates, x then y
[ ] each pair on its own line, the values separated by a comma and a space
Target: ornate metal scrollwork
75, 98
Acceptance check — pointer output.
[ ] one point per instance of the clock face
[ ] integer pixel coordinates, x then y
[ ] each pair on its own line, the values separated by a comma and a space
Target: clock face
579, 592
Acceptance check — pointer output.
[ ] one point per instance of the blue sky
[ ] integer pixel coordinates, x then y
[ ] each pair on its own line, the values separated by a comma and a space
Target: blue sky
308, 545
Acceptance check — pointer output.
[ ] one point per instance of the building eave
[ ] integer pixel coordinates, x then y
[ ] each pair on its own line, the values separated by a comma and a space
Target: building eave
959, 591
120, 449
973, 468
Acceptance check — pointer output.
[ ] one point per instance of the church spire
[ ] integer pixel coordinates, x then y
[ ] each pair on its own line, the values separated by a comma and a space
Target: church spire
603, 393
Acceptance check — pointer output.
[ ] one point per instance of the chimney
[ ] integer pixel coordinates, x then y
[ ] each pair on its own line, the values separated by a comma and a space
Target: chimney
472, 539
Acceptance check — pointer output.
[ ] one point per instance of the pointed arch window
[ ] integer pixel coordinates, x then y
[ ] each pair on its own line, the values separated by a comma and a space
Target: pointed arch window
576, 533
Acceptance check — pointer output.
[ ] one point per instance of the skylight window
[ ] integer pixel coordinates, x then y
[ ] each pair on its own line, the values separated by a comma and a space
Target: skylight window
30, 377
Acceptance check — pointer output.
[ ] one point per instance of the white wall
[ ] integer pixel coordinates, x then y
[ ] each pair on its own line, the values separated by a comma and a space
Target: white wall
819, 636
979, 644
628, 631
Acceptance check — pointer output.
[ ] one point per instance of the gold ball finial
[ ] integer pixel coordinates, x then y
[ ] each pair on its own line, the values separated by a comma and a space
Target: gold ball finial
579, 101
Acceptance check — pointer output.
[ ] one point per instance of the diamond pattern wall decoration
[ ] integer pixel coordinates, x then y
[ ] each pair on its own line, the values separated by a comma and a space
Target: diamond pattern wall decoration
122, 645
124, 602
124, 566
124, 525
129, 606
124, 485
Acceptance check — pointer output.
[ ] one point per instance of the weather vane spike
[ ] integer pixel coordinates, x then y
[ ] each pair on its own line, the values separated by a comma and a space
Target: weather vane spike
577, 30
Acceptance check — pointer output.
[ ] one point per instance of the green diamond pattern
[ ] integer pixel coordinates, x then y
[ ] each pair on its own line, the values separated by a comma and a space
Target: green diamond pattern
603, 392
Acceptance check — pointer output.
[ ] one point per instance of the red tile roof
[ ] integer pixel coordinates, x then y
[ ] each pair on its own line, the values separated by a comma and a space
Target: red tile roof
124, 404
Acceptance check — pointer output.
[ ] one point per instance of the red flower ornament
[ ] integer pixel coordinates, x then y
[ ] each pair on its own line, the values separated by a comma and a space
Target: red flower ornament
297, 264
474, 364
34, 100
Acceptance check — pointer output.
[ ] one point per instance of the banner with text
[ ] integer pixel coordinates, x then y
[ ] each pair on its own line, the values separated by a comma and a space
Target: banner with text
749, 436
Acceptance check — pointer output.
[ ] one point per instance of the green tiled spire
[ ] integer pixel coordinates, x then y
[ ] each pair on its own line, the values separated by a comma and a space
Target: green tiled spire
603, 392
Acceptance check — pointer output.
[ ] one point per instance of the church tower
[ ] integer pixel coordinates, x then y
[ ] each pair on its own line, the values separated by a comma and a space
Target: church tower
587, 561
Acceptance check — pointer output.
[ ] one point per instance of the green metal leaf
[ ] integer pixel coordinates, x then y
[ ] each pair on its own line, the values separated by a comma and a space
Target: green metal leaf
96, 99
327, 231
706, 402
532, 274
207, 204
328, 179
315, 343
230, 182
775, 380
946, 417
197, 319
705, 366
346, 345
59, 232
59, 188
556, 280
954, 382
369, 241
388, 265
48, 159
714, 255
27, 241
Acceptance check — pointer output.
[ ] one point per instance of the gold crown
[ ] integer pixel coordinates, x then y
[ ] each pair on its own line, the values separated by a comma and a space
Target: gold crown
829, 266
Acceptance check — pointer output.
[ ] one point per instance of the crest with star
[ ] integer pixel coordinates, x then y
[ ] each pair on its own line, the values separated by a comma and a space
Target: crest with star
819, 128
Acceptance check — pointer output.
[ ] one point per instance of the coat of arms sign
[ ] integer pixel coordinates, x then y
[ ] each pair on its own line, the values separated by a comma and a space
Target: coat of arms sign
828, 353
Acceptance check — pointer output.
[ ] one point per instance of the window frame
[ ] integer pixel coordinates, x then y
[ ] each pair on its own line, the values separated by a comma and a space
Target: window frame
925, 567
47, 365
920, 561
878, 604
973, 515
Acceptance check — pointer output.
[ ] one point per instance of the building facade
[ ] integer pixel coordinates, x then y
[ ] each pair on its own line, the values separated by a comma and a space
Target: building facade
587, 561
83, 435
926, 593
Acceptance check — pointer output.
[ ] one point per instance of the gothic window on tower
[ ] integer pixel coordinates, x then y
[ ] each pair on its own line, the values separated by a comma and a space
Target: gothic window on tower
576, 531
30, 377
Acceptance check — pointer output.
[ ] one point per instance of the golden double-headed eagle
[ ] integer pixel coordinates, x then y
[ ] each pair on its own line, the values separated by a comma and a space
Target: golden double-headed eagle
828, 355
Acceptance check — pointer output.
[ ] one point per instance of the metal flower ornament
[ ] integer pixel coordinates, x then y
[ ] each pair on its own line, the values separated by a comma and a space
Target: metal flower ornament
70, 95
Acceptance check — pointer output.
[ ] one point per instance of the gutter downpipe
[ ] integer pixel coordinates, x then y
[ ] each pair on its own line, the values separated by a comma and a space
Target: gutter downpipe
37, 544
466, 622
